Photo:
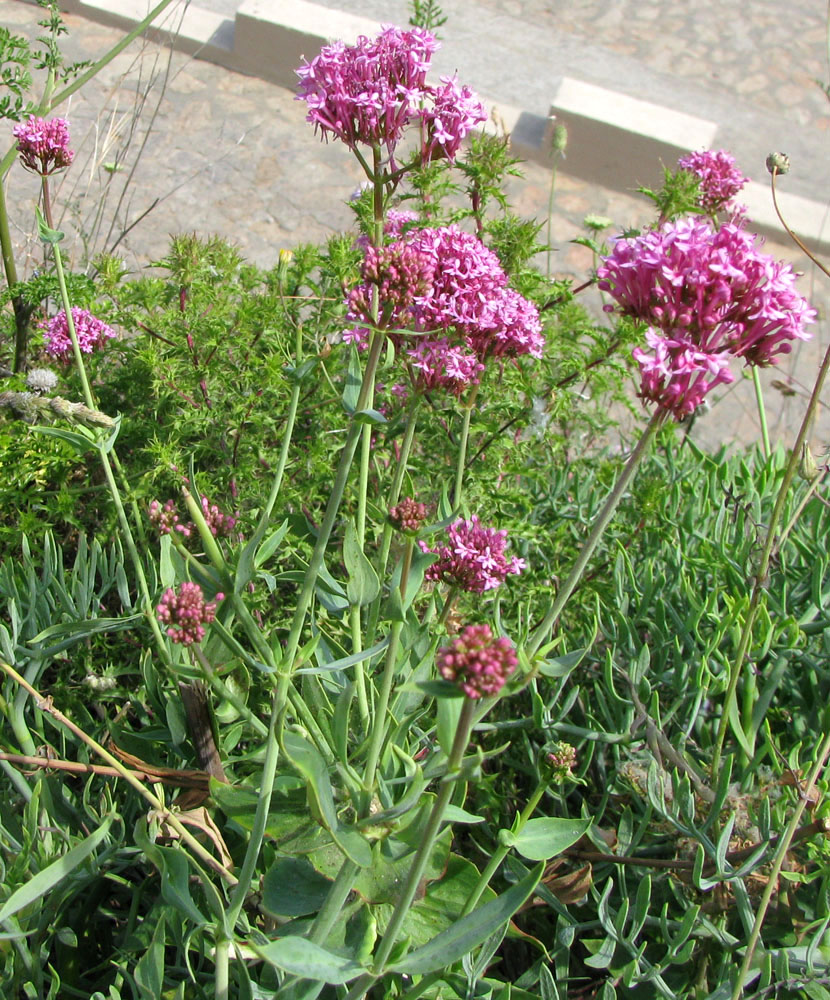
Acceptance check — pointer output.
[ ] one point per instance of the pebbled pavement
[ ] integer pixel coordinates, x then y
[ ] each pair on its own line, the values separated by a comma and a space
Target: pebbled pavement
195, 147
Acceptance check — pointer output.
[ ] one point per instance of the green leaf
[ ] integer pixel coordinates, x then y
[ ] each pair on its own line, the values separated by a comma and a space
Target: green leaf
561, 666
546, 837
80, 441
369, 417
292, 888
305, 758
172, 865
452, 945
354, 378
45, 234
84, 629
301, 957
448, 712
149, 970
51, 875
363, 586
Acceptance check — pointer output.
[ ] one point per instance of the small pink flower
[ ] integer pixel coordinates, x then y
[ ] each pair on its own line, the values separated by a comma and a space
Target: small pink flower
43, 144
221, 525
476, 662
720, 179
166, 519
438, 364
186, 613
91, 332
474, 560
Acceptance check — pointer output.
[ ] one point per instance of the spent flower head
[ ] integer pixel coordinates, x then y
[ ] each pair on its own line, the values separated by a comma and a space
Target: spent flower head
720, 179
186, 613
41, 380
474, 559
43, 144
477, 662
91, 332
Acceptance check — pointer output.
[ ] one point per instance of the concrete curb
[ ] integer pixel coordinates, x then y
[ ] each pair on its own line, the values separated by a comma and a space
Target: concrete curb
612, 136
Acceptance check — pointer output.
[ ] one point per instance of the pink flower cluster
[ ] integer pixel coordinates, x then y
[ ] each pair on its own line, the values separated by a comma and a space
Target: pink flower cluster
43, 144
371, 92
401, 274
440, 364
474, 560
478, 663
467, 294
720, 179
90, 331
708, 295
221, 525
186, 613
166, 519
408, 515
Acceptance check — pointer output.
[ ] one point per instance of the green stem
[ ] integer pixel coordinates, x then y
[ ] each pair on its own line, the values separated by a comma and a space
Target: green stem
483, 881
224, 692
501, 852
770, 543
394, 497
762, 413
360, 673
781, 851
431, 830
551, 196
288, 433
22, 312
381, 707
333, 506
266, 788
599, 526
462, 447
221, 969
123, 521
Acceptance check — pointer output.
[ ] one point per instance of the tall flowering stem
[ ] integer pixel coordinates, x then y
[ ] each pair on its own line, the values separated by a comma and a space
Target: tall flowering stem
602, 521
772, 538
115, 493
461, 459
431, 830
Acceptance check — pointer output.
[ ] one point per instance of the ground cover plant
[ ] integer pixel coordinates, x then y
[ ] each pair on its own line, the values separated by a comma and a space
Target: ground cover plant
349, 650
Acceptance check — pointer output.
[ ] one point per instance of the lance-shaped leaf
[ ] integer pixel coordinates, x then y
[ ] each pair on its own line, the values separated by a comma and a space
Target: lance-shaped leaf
452, 945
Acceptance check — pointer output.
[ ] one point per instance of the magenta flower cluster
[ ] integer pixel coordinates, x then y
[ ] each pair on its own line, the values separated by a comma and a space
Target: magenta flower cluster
474, 559
91, 332
478, 663
720, 179
470, 293
401, 274
166, 519
43, 144
708, 295
186, 613
371, 92
465, 301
